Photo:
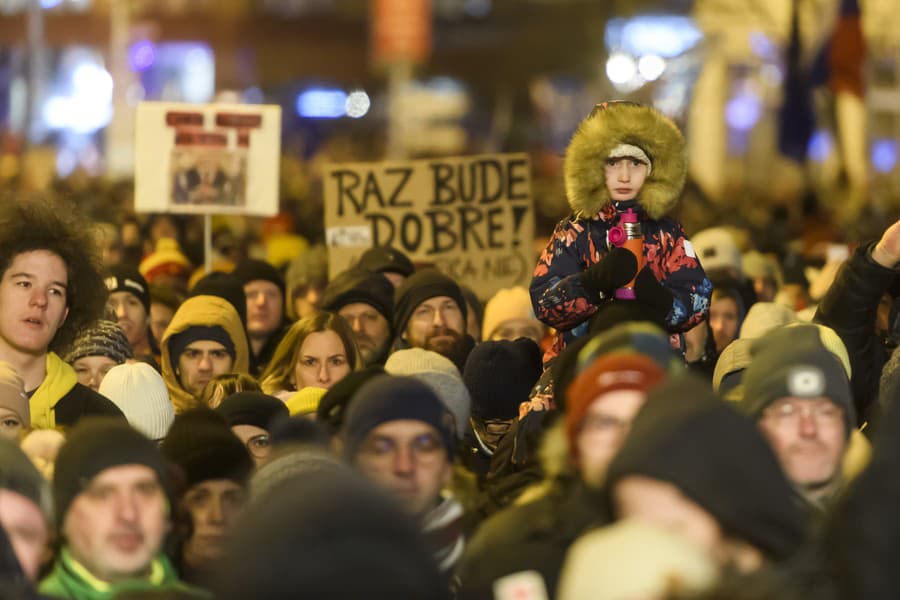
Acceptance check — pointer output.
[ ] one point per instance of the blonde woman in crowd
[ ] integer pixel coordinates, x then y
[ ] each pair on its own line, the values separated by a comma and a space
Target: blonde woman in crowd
317, 351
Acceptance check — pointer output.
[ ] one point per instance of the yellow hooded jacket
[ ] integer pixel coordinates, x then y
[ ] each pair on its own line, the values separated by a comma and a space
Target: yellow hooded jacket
207, 311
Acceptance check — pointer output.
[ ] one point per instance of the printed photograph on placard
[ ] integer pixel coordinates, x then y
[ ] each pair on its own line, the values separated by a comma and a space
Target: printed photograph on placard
209, 176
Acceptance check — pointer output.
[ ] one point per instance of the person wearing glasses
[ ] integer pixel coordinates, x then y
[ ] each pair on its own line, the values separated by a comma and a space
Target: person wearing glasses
799, 394
399, 435
250, 414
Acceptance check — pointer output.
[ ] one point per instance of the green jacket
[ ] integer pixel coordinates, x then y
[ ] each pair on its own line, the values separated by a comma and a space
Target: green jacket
70, 579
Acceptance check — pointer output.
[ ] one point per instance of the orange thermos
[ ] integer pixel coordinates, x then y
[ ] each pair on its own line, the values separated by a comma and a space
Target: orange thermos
628, 234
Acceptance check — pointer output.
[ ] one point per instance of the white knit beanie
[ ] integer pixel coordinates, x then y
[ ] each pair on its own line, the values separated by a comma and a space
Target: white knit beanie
505, 305
717, 249
632, 559
438, 373
140, 392
763, 317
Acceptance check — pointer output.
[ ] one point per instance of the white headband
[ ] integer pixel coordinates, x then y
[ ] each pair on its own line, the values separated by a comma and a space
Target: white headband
631, 152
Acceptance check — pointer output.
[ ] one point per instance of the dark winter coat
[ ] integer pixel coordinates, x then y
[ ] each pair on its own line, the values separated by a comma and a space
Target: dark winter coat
259, 362
860, 543
850, 307
529, 537
557, 289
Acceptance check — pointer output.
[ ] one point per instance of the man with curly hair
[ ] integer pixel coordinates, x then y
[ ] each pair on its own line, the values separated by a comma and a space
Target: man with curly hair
50, 288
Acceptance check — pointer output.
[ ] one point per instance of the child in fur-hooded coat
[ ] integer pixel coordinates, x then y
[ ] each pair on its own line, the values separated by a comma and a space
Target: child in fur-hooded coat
622, 156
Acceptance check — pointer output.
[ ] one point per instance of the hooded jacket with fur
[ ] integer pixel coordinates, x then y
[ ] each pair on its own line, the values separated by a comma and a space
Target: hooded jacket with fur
208, 311
580, 240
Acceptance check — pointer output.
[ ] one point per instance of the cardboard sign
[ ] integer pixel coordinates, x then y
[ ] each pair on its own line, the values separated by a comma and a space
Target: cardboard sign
207, 159
471, 217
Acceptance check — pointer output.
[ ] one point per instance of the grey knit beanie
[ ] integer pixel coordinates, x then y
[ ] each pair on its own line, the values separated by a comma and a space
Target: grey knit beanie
102, 338
440, 374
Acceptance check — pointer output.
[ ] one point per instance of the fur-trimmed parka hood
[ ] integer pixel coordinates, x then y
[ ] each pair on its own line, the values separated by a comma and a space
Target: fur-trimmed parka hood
618, 123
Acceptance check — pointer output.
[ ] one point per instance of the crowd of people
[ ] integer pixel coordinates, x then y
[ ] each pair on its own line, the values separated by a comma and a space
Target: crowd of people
694, 419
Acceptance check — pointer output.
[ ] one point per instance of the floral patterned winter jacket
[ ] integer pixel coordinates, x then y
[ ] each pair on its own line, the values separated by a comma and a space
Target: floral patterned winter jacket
560, 299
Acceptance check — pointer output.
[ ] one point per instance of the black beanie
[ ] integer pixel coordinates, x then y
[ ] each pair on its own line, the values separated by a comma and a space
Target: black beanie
125, 278
356, 285
500, 376
793, 361
225, 286
385, 259
418, 288
94, 445
213, 333
203, 446
333, 406
253, 270
298, 430
251, 408
328, 534
18, 474
793, 271
387, 398
686, 436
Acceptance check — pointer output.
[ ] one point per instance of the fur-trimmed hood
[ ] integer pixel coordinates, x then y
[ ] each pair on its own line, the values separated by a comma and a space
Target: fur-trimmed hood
625, 123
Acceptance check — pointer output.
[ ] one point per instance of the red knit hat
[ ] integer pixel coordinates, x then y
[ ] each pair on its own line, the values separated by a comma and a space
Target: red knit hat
609, 373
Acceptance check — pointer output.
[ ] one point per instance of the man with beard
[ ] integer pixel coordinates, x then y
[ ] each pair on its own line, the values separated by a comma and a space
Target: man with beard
366, 301
430, 313
799, 394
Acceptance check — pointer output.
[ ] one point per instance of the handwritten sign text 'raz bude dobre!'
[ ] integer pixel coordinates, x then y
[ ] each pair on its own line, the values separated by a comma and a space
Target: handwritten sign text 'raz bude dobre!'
471, 217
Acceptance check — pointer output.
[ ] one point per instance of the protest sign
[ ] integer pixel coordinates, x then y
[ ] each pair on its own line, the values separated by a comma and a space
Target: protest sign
207, 159
471, 217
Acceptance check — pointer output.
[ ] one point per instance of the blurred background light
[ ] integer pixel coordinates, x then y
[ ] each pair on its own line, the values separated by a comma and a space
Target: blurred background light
662, 35
357, 104
92, 80
820, 145
322, 103
762, 46
884, 153
253, 95
743, 111
82, 101
651, 67
198, 76
141, 55
620, 68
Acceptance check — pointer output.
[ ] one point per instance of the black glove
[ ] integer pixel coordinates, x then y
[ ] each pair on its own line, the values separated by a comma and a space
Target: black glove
613, 271
651, 293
